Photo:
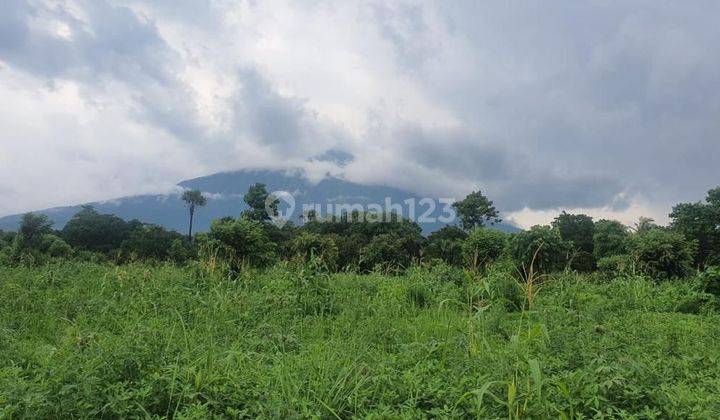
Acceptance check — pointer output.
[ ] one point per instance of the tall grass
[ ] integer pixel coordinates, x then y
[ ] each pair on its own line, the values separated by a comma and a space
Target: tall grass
293, 341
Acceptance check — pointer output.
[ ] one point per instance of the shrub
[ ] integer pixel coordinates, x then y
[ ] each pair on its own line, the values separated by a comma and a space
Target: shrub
387, 251
583, 261
663, 254
483, 246
89, 256
56, 247
552, 251
349, 249
499, 285
418, 294
308, 245
446, 244
442, 272
611, 238
179, 251
576, 229
149, 242
699, 222
242, 241
4, 257
616, 265
710, 280
32, 229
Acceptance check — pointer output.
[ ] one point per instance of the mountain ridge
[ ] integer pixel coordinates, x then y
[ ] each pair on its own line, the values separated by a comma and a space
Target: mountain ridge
226, 189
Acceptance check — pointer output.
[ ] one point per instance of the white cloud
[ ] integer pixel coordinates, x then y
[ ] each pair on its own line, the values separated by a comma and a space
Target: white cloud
544, 108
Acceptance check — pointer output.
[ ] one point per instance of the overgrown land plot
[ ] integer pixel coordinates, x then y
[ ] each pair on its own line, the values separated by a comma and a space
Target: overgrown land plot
89, 340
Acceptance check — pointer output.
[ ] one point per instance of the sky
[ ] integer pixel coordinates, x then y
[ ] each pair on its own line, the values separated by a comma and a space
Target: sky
610, 108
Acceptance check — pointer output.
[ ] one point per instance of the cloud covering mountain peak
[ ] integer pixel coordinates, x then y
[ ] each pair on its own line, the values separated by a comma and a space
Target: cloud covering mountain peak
610, 108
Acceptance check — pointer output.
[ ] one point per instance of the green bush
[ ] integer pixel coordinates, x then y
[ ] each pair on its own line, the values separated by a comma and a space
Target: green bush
418, 294
663, 254
576, 229
5, 256
446, 244
710, 280
443, 272
500, 285
89, 256
484, 246
149, 242
611, 238
387, 252
582, 261
55, 247
180, 251
242, 241
309, 245
552, 251
31, 231
615, 266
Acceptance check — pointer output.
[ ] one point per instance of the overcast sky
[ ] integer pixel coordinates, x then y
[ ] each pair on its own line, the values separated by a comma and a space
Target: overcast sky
607, 107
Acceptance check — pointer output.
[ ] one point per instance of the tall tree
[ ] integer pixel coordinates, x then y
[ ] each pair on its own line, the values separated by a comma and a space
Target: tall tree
476, 210
576, 228
611, 238
540, 247
33, 227
701, 222
662, 253
644, 225
193, 199
262, 206
92, 231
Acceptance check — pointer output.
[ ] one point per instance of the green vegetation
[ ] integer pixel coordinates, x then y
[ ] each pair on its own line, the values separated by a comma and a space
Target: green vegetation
476, 210
351, 317
483, 246
81, 339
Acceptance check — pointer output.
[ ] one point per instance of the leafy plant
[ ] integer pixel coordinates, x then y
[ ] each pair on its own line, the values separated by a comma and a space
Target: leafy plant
483, 246
540, 247
663, 254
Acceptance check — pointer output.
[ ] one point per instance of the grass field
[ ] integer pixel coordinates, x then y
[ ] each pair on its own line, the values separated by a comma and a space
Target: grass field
79, 340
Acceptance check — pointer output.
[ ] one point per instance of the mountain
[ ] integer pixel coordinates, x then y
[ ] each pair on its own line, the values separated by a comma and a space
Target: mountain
225, 198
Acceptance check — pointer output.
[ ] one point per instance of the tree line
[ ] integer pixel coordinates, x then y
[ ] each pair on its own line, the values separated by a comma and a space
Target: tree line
355, 241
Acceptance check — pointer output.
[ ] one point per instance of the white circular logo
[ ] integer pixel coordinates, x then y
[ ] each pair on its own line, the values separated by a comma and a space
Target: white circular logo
280, 213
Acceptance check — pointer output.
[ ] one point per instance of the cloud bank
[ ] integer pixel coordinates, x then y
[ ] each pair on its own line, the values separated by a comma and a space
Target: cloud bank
609, 108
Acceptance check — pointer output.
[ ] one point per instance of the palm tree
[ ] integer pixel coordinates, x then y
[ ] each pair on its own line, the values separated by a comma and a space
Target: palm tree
193, 198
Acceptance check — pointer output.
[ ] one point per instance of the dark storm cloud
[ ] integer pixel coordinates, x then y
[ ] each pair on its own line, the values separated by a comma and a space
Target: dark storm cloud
627, 94
276, 121
109, 43
113, 43
569, 104
455, 152
284, 124
512, 177
549, 192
